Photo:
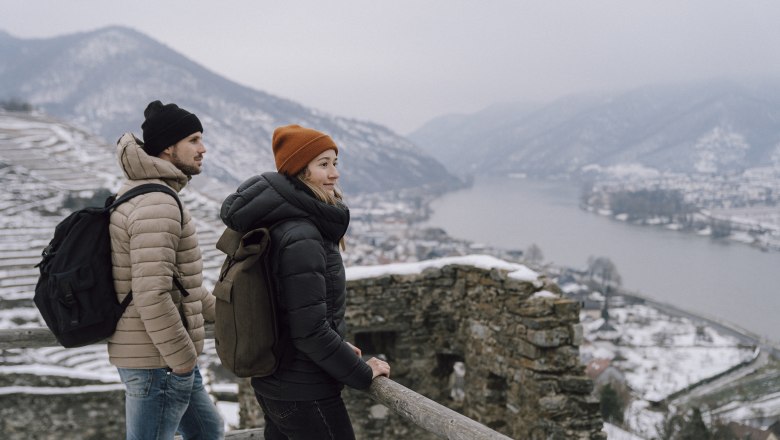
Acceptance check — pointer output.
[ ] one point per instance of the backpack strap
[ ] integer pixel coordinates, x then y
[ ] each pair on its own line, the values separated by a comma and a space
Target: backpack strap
180, 305
145, 189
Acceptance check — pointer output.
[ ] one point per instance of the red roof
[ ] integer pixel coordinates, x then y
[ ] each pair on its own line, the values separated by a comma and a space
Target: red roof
596, 367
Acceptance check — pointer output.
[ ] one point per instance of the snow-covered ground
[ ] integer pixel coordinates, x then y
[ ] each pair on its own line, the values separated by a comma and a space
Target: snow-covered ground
738, 411
659, 355
615, 433
516, 271
747, 201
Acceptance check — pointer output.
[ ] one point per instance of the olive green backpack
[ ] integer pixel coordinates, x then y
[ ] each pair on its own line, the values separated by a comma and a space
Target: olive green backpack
246, 331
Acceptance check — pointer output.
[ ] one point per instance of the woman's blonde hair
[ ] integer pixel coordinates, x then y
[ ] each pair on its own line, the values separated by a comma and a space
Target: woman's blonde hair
334, 199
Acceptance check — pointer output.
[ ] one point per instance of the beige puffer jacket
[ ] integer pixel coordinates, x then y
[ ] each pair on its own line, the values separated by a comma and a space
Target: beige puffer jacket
148, 247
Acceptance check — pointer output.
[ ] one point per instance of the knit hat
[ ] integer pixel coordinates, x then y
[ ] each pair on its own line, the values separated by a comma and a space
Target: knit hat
165, 125
295, 146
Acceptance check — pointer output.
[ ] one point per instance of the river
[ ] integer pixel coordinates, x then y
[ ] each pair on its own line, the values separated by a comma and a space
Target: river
723, 280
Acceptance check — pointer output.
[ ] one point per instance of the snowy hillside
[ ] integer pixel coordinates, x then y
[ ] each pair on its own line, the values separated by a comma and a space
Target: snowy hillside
48, 169
103, 80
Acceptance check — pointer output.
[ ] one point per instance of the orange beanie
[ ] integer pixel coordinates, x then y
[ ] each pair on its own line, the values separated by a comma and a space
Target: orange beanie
295, 146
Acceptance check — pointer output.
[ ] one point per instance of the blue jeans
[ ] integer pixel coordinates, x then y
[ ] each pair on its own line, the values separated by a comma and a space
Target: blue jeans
324, 419
159, 403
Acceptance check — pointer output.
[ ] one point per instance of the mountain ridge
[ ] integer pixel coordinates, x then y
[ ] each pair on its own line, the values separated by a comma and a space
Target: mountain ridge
100, 81
709, 126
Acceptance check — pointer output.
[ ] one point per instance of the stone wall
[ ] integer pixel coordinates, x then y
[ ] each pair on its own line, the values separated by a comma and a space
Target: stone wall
519, 349
499, 350
83, 416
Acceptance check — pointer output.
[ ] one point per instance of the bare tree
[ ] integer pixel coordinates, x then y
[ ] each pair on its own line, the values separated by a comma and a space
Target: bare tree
534, 254
603, 273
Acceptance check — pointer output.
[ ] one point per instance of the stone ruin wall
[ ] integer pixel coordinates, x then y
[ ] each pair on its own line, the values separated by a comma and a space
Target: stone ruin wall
522, 372
522, 376
85, 416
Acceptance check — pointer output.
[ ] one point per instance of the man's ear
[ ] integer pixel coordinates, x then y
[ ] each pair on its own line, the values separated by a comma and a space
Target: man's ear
168, 152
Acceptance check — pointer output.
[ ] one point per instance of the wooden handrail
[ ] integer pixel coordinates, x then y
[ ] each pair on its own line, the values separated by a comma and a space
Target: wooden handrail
429, 415
38, 337
26, 337
414, 407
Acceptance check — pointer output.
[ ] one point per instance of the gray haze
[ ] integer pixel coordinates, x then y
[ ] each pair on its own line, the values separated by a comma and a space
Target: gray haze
403, 62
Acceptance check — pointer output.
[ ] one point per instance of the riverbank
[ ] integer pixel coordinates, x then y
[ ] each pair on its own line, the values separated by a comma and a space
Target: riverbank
738, 207
728, 228
715, 278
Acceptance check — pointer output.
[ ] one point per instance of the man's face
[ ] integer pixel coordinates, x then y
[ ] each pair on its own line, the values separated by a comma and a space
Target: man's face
187, 154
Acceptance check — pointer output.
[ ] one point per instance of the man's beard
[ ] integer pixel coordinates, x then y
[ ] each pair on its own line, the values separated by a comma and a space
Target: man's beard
189, 170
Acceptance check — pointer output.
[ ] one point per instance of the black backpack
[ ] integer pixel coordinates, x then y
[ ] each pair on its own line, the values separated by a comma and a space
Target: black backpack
75, 292
245, 328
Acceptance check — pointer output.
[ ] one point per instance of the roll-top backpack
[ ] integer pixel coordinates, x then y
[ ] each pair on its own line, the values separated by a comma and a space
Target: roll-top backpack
245, 330
75, 291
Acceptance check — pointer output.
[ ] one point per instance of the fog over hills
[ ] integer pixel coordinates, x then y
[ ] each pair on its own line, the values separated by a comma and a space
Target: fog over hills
102, 80
711, 127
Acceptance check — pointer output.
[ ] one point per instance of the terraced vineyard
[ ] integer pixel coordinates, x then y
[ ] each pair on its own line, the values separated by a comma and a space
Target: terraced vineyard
48, 169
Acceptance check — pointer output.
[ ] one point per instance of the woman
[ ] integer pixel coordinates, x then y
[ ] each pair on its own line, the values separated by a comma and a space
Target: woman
302, 399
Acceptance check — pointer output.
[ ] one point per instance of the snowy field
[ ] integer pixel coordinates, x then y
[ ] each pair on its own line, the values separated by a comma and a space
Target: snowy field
659, 355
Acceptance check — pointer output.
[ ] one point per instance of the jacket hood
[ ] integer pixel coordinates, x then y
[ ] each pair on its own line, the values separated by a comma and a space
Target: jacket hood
272, 198
136, 164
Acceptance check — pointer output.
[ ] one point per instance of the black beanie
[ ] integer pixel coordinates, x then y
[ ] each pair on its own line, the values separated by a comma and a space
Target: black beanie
165, 125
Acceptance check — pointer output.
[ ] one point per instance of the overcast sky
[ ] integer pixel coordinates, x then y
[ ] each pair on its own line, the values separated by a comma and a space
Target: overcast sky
403, 62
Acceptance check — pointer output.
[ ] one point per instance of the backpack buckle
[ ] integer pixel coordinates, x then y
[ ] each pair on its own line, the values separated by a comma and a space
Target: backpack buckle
47, 253
69, 301
66, 298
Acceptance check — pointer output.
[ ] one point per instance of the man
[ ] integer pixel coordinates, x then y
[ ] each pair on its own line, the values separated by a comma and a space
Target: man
159, 337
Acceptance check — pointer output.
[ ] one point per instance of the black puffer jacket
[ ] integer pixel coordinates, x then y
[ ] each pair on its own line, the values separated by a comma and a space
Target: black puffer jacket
312, 286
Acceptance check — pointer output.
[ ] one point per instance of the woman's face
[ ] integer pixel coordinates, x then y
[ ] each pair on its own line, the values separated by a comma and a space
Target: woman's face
322, 171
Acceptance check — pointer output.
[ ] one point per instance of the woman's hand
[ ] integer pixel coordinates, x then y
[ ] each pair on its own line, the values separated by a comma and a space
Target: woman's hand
378, 367
355, 349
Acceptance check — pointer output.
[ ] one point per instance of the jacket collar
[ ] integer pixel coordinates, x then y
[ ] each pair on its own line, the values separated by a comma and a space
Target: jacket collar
332, 221
137, 165
272, 198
